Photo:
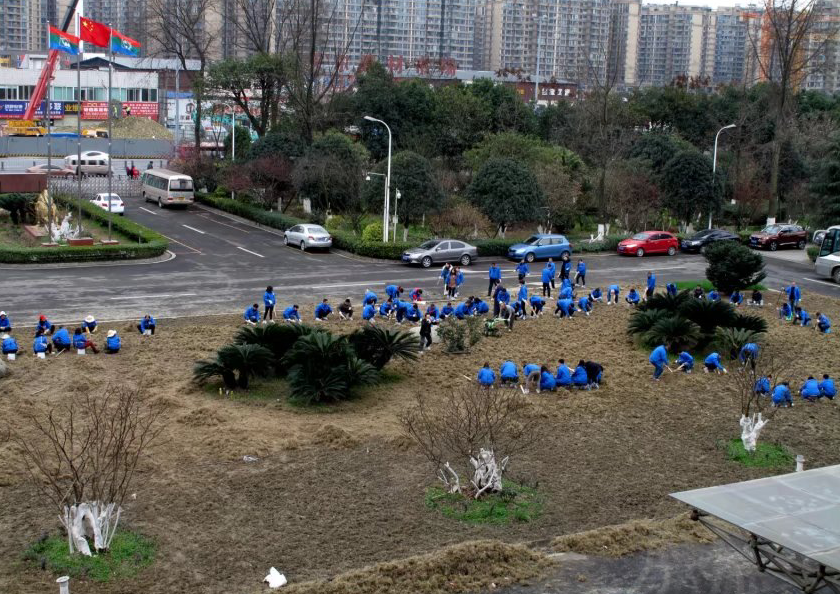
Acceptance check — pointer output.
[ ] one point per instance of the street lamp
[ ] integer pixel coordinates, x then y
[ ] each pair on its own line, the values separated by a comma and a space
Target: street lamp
232, 141
714, 165
387, 182
397, 197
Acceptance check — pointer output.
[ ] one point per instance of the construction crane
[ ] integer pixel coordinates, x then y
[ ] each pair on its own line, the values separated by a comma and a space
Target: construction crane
47, 72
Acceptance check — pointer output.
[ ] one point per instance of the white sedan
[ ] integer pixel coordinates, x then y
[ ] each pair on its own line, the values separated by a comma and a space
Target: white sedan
307, 237
117, 206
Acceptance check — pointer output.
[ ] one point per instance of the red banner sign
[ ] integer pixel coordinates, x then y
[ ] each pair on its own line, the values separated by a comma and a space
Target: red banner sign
94, 110
98, 110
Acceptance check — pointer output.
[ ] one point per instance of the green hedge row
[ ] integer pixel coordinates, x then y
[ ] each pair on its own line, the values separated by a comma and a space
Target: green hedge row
269, 218
150, 244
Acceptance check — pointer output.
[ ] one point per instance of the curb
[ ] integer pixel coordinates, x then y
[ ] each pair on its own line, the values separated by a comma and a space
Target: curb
166, 257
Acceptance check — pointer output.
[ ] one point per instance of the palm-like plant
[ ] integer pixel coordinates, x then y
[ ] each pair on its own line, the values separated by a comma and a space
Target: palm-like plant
236, 364
665, 301
278, 338
707, 314
378, 345
730, 340
749, 322
677, 333
642, 321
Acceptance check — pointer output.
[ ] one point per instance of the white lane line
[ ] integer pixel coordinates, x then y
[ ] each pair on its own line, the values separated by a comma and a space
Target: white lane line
825, 282
225, 224
183, 244
147, 210
250, 252
152, 296
194, 229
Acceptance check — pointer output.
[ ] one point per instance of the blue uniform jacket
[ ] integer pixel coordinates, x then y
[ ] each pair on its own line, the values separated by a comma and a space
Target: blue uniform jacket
584, 304
446, 311
39, 345
44, 326
486, 377
547, 275
713, 360
567, 266
529, 369
785, 310
633, 296
392, 291
79, 341
805, 317
462, 311
827, 388
810, 388
823, 319
579, 377
567, 306
290, 314
714, 295
781, 394
495, 273
147, 324
793, 293
91, 326
508, 370
523, 293
62, 338
614, 289
368, 311
252, 314
748, 350
659, 356
113, 343
564, 376
433, 312
9, 345
596, 294
736, 298
413, 314
671, 288
503, 296
459, 279
547, 381
651, 281
686, 359
581, 268
322, 310
370, 298
269, 299
481, 307
762, 386
5, 323
565, 293
522, 268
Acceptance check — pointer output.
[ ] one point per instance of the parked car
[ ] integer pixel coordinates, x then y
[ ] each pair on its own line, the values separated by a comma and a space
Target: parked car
117, 205
649, 242
541, 246
774, 237
698, 241
53, 170
307, 237
436, 251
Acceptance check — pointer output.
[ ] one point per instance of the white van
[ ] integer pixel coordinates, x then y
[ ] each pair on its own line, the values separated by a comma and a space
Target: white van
93, 163
166, 187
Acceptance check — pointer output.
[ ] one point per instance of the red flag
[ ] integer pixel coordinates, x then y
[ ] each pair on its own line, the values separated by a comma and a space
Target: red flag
95, 33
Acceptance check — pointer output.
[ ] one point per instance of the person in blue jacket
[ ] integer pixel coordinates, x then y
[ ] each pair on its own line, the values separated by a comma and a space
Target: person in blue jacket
9, 345
480, 306
444, 275
566, 292
269, 301
537, 304
781, 395
89, 325
44, 325
82, 342
651, 285
553, 269
547, 277
632, 297
684, 361
500, 296
802, 317
400, 308
446, 311
369, 312
41, 344
292, 314
612, 294
522, 295
417, 294
827, 388
585, 305
749, 352
712, 363
547, 381
565, 307
147, 323
596, 295
413, 314
393, 291
823, 323
564, 374
566, 269
762, 385
486, 376
531, 373
370, 298
495, 278
659, 359
508, 373
5, 322
736, 298
433, 313
671, 289
580, 275
459, 279
810, 390
580, 379
323, 311
462, 310
786, 312
794, 295
386, 308
714, 295
112, 343
522, 270
252, 315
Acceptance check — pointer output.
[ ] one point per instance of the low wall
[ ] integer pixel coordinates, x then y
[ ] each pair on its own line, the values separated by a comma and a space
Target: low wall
28, 146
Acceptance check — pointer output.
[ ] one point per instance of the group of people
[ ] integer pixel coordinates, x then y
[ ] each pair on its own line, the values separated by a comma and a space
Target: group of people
587, 375
54, 339
792, 311
811, 390
685, 361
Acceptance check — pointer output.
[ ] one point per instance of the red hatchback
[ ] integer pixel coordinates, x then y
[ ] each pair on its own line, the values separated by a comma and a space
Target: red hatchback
649, 242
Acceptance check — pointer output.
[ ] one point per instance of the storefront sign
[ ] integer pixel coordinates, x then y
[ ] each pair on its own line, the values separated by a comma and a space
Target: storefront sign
98, 110
14, 110
94, 110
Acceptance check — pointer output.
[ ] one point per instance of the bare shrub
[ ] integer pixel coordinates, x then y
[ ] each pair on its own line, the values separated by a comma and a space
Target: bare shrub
461, 219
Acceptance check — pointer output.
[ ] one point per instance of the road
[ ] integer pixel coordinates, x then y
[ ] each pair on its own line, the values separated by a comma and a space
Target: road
221, 265
18, 164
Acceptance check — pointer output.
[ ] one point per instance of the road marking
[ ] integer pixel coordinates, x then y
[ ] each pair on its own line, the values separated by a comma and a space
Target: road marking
825, 282
152, 296
250, 252
194, 229
183, 244
147, 210
225, 224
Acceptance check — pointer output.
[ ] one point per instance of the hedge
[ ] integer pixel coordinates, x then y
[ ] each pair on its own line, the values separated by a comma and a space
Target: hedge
150, 244
371, 249
269, 218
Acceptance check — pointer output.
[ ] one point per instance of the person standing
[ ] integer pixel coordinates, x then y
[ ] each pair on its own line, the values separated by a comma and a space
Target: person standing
794, 295
553, 271
495, 276
444, 275
522, 270
651, 285
269, 300
452, 284
580, 276
547, 280
426, 333
566, 269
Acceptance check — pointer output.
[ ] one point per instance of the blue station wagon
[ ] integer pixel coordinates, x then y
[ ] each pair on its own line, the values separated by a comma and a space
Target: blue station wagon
540, 247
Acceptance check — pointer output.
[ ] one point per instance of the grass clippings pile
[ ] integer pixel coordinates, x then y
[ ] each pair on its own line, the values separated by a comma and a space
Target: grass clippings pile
466, 567
633, 537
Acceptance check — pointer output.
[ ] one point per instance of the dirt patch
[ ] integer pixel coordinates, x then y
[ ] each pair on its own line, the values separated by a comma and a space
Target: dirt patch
634, 536
334, 437
203, 417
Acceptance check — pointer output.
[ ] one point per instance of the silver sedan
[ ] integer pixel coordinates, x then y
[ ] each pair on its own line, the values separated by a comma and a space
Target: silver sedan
307, 237
441, 250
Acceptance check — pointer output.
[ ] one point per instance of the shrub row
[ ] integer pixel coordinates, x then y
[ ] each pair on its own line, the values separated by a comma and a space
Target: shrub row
370, 249
269, 218
149, 244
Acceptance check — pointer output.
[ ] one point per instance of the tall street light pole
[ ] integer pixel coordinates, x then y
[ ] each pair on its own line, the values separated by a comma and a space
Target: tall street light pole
387, 182
714, 165
232, 141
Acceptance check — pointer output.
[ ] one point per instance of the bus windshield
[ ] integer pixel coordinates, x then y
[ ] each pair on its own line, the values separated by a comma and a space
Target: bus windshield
180, 184
830, 243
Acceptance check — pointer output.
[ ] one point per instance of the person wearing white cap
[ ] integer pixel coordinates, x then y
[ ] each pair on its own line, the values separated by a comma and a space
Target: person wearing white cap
89, 325
112, 343
5, 322
9, 345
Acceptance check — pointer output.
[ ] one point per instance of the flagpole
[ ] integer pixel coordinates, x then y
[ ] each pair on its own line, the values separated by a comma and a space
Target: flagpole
110, 132
79, 130
49, 149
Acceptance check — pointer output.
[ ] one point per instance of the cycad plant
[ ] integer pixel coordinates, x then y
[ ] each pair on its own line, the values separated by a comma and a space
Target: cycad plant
707, 314
278, 338
730, 340
235, 364
677, 333
378, 345
749, 322
664, 301
642, 321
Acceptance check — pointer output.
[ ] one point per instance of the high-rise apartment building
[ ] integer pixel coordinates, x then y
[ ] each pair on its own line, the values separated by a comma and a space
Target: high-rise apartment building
674, 41
623, 42
734, 36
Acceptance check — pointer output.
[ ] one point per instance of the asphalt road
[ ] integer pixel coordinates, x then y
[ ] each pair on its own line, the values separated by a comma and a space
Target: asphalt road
221, 265
18, 164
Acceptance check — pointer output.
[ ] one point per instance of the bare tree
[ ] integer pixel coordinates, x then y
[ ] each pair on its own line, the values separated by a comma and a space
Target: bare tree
474, 425
184, 29
255, 23
82, 456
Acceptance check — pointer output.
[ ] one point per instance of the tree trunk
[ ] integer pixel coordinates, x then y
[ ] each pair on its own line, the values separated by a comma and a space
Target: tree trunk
750, 429
773, 201
90, 520
488, 472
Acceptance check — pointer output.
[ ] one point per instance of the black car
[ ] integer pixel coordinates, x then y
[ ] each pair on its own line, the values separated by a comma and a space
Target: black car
701, 239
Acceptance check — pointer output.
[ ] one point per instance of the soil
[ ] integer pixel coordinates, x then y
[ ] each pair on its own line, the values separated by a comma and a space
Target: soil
337, 488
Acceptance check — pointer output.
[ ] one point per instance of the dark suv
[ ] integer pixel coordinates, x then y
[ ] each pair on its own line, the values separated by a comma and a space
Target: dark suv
774, 237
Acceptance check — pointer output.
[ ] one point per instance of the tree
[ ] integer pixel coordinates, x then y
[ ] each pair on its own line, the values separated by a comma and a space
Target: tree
18, 205
507, 111
459, 219
733, 267
827, 184
255, 26
529, 150
633, 192
243, 144
460, 120
273, 159
687, 185
657, 148
331, 172
507, 192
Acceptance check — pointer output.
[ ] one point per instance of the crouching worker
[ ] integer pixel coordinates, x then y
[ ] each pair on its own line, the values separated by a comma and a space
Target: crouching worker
594, 374
659, 359
5, 322
671, 289
757, 299
61, 339
509, 374
41, 344
823, 323
595, 294
762, 385
9, 345
537, 304
565, 307
252, 315
685, 362
810, 390
532, 374
323, 311
547, 381
827, 388
147, 325
713, 363
369, 298
564, 375
736, 298
632, 297
781, 395
369, 312
612, 295
82, 342
345, 310
749, 353
486, 376
786, 312
292, 314
803, 318
89, 325
585, 305
112, 343
580, 379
